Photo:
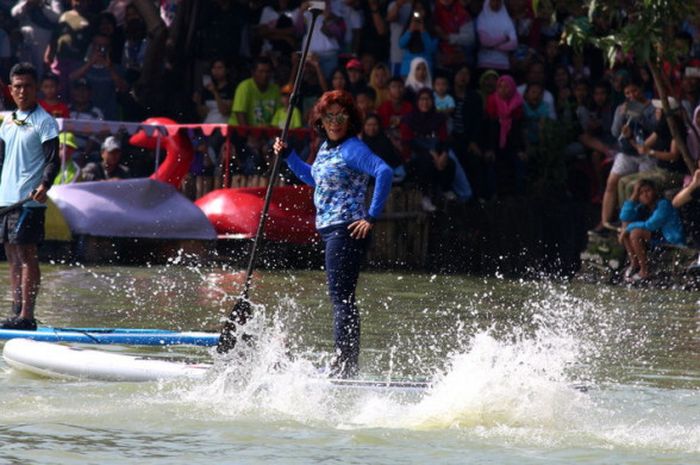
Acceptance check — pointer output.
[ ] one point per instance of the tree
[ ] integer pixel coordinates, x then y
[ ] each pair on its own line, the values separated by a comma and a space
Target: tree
643, 29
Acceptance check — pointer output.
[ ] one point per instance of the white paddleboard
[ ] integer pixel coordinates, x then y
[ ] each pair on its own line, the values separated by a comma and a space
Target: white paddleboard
59, 361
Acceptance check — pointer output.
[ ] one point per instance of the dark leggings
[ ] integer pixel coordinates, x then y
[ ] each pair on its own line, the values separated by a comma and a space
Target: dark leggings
344, 256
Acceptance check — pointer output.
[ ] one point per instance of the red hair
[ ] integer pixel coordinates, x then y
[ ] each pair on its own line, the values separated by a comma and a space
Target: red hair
345, 101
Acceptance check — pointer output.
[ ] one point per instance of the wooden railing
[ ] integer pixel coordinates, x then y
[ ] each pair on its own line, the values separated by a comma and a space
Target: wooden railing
401, 234
400, 237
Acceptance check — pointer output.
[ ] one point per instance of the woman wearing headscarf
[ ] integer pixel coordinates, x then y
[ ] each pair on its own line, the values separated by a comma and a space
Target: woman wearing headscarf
504, 142
423, 136
418, 78
423, 127
497, 36
374, 137
487, 84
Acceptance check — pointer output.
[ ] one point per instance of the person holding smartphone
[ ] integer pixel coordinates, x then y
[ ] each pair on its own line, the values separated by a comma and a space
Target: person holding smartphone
105, 78
214, 100
633, 122
418, 41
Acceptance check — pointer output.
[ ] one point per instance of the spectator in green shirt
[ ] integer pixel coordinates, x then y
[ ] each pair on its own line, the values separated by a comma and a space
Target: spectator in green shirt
256, 98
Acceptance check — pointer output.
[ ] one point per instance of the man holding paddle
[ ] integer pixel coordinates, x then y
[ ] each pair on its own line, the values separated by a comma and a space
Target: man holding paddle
29, 163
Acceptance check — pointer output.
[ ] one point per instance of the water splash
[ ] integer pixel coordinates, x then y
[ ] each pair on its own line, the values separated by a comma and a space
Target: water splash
522, 386
504, 360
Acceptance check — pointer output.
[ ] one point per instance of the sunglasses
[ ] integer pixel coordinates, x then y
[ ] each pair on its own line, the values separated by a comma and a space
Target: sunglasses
338, 118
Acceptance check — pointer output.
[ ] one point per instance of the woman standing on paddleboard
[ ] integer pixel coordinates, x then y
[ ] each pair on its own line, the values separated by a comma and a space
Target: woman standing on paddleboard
340, 176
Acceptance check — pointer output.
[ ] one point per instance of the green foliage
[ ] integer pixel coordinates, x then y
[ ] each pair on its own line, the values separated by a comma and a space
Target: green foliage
644, 28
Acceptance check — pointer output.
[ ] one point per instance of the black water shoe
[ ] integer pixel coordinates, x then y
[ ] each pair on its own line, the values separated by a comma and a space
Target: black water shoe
19, 323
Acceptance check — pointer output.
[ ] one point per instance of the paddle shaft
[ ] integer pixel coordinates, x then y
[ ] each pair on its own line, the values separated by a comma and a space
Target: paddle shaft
242, 309
257, 242
14, 206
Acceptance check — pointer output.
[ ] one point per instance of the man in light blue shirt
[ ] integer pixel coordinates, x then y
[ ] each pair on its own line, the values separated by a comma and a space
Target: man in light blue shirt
29, 163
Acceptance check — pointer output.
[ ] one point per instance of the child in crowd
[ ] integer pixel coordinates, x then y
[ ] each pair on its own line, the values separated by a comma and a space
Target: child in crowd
51, 103
70, 171
280, 116
535, 110
391, 111
444, 102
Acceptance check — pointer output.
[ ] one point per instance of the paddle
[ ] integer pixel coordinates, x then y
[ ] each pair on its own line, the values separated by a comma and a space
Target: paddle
242, 310
15, 205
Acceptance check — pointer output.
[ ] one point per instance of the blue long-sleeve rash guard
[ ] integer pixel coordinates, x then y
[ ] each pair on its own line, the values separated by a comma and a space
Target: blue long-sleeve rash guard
340, 178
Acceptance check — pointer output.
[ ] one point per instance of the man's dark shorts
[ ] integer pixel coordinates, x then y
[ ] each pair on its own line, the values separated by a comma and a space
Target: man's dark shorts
23, 226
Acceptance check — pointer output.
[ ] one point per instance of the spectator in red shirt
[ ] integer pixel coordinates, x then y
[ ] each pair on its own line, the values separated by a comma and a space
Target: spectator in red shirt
392, 110
449, 18
50, 102
395, 107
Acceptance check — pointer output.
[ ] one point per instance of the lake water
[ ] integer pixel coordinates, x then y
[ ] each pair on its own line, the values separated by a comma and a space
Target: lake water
524, 372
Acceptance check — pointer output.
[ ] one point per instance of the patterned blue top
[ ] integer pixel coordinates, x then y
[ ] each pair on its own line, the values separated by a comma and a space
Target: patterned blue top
340, 176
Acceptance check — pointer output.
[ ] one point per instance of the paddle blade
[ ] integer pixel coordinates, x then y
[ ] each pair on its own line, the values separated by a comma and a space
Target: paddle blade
239, 316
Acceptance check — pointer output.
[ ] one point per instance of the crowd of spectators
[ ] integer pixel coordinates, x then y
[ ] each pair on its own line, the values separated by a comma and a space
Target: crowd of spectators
465, 99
